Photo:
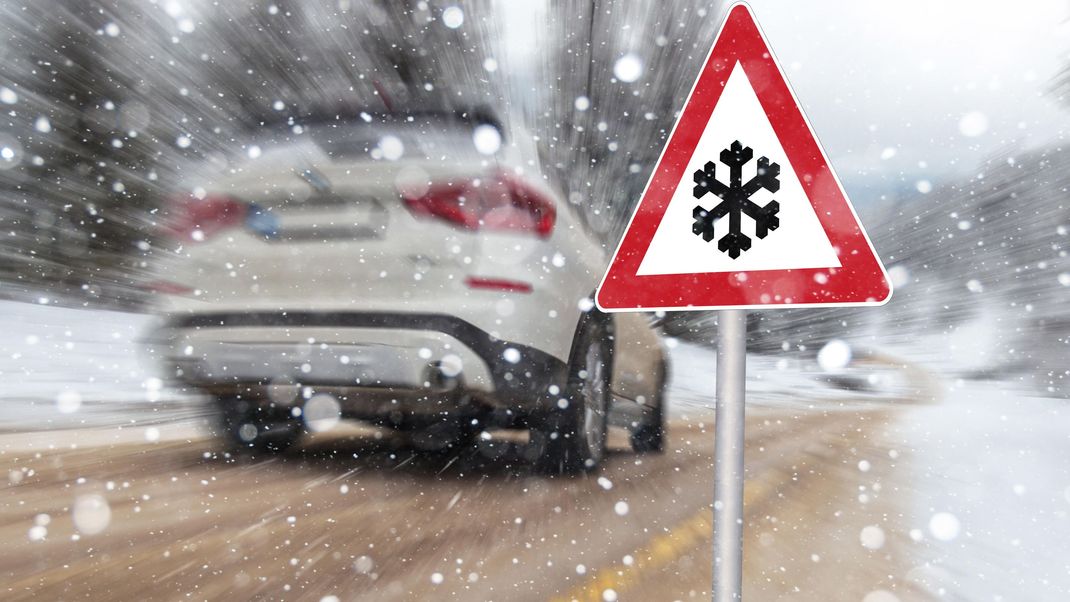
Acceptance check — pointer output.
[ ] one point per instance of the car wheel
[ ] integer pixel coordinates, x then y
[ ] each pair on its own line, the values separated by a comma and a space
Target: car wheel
573, 437
248, 427
649, 437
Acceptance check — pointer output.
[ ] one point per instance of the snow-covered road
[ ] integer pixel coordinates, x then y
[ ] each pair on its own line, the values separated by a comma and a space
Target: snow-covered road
884, 480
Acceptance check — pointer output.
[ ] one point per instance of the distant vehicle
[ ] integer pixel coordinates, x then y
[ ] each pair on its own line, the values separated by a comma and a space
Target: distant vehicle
384, 269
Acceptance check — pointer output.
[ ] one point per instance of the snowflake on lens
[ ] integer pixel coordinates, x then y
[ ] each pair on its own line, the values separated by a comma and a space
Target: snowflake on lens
735, 199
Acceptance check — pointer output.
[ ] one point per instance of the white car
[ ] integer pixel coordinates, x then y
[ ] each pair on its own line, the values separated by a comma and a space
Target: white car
384, 269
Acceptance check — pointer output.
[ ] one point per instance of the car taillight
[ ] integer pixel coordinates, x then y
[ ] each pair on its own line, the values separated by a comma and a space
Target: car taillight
198, 219
167, 287
494, 204
497, 284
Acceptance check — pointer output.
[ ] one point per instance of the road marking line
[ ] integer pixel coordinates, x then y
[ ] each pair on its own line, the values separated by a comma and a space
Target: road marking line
662, 550
668, 547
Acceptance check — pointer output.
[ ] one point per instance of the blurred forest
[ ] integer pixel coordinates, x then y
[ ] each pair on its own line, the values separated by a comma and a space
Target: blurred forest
113, 106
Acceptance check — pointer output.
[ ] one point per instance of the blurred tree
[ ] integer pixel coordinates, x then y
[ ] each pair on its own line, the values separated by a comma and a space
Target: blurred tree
87, 175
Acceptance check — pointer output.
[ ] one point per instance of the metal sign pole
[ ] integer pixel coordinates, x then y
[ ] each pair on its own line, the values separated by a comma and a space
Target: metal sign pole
728, 456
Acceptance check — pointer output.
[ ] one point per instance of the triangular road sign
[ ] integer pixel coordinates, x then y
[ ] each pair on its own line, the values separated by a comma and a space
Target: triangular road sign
743, 209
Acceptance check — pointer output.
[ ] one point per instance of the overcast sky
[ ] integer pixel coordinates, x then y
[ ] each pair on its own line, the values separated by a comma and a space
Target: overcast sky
923, 89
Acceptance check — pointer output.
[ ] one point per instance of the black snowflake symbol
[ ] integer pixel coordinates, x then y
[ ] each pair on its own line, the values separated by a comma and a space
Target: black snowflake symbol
735, 199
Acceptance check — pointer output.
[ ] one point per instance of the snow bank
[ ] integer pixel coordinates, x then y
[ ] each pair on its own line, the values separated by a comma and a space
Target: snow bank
785, 380
66, 367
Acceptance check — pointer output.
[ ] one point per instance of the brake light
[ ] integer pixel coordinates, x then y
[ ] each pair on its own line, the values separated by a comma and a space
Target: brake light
503, 203
167, 287
497, 284
198, 219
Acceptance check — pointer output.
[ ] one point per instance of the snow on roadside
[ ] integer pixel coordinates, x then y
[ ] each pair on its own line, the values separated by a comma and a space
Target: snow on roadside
775, 381
65, 367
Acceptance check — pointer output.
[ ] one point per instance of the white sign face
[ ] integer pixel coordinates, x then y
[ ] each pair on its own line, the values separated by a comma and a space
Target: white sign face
798, 242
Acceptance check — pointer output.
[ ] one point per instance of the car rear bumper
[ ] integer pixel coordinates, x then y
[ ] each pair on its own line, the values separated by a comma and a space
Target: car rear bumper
375, 363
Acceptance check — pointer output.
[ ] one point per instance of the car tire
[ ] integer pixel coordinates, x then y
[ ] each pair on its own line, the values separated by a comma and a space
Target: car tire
649, 437
572, 438
247, 427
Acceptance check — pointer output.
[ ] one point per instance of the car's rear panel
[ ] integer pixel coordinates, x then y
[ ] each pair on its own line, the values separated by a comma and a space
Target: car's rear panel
339, 242
360, 247
338, 248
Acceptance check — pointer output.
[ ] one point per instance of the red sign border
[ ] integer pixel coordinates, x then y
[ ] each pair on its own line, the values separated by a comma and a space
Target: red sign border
860, 281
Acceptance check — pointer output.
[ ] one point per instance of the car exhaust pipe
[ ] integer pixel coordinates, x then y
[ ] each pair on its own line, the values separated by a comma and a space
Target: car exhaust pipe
441, 376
